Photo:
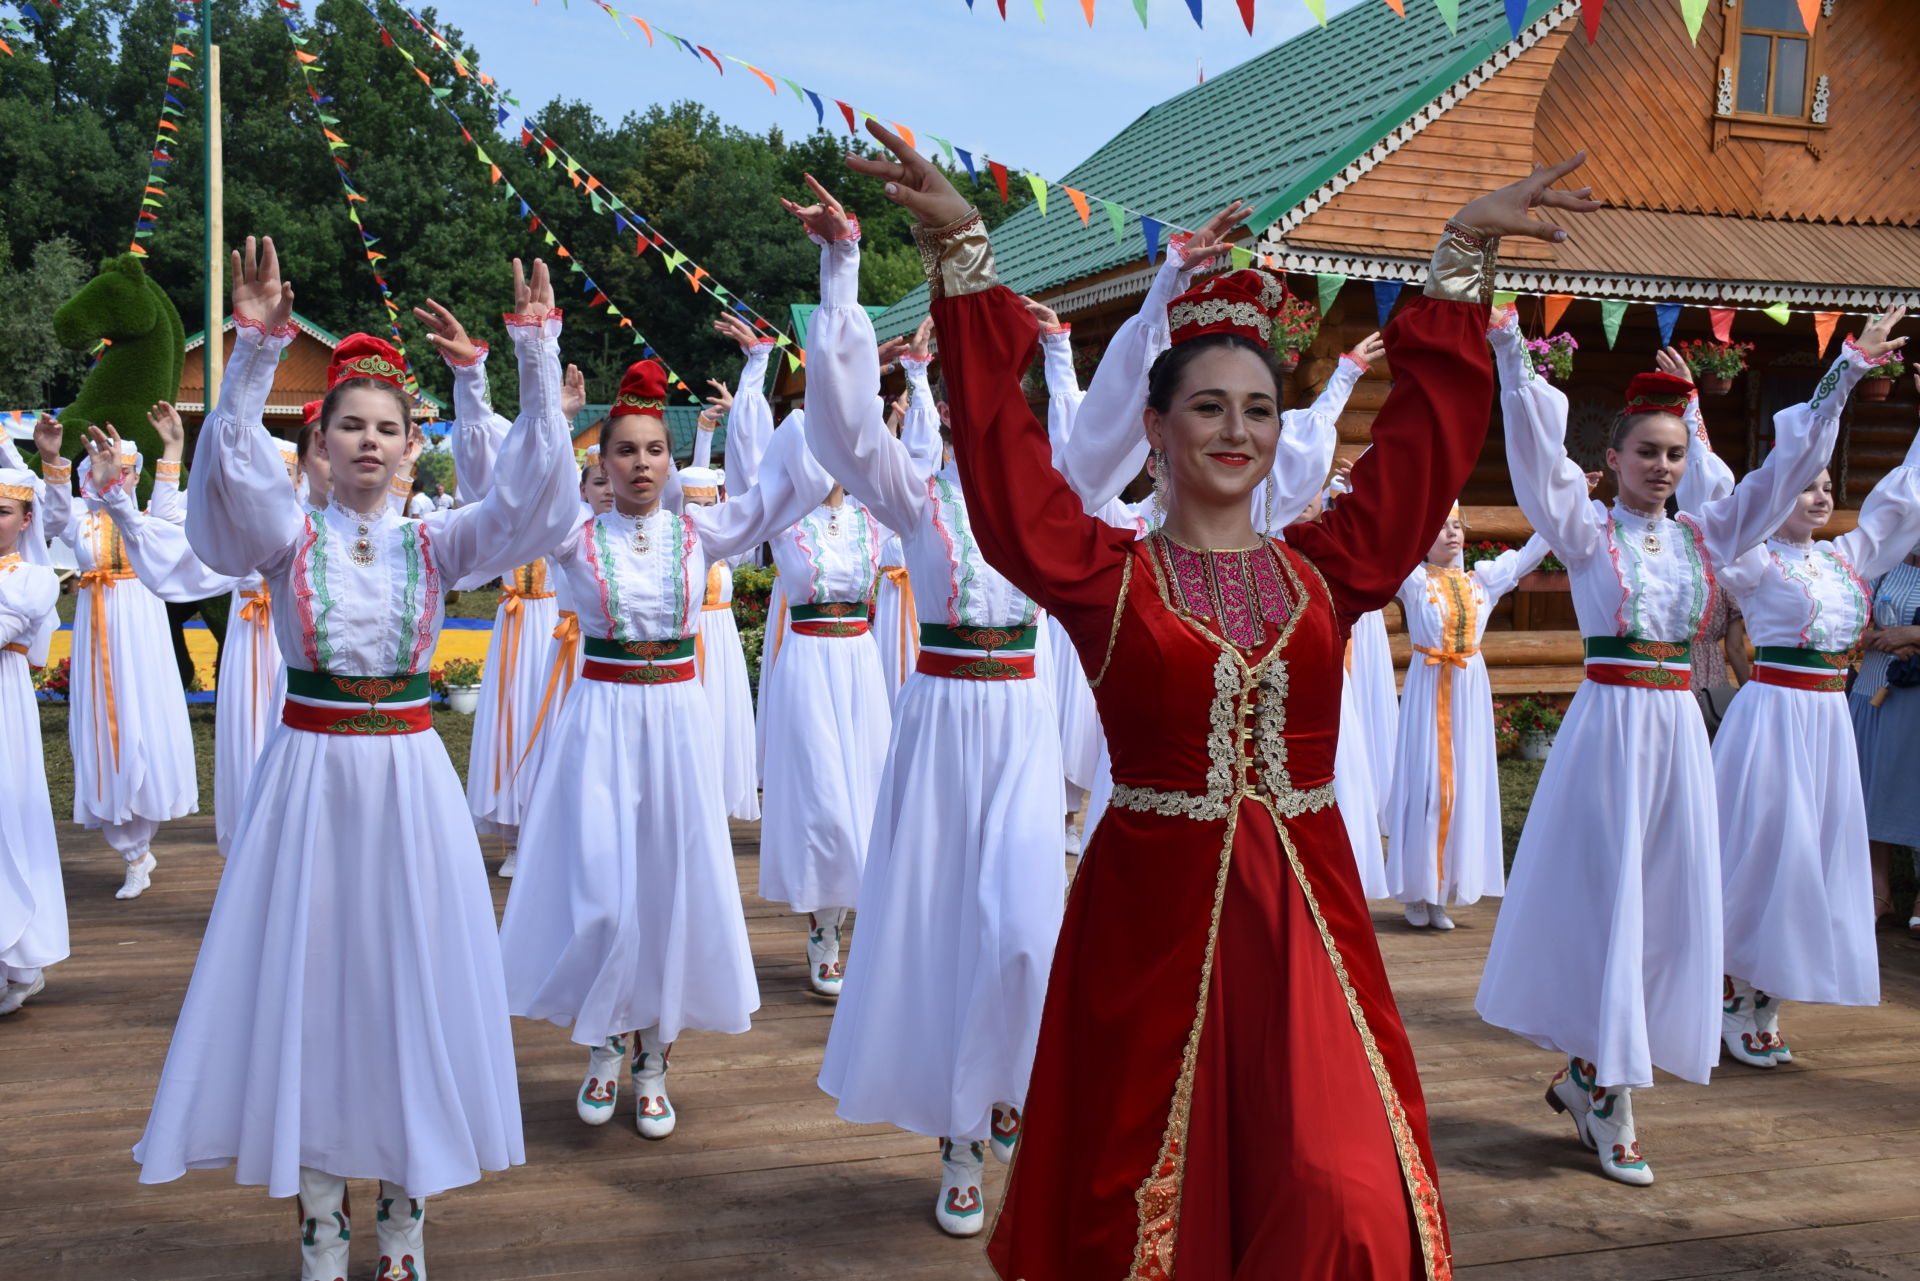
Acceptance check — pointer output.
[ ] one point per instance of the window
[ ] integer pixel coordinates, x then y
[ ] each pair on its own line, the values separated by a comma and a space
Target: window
1769, 67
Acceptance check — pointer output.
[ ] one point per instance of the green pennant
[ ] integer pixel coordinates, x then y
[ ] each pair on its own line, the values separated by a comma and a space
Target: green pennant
1241, 257
1140, 7
612, 310
1117, 219
599, 206
1450, 10
326, 119
1504, 297
443, 93
1331, 283
1612, 312
798, 92
781, 340
550, 160
1693, 11
946, 148
549, 236
1039, 186
674, 260
1778, 313
576, 268
793, 363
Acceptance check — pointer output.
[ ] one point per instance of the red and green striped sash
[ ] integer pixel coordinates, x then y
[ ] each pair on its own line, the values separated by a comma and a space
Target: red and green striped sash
1822, 671
323, 703
1639, 664
977, 653
661, 662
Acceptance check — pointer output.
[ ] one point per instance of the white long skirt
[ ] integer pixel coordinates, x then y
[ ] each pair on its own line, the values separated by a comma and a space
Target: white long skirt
771, 645
895, 633
724, 675
151, 773
249, 694
511, 687
33, 902
1079, 721
625, 909
1418, 868
1608, 946
1353, 791
1376, 697
1797, 890
964, 890
827, 723
348, 1010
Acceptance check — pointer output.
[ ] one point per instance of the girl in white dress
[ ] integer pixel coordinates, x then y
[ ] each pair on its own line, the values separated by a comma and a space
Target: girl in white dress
966, 871
1608, 948
133, 762
1443, 818
33, 903
347, 1016
626, 912
916, 420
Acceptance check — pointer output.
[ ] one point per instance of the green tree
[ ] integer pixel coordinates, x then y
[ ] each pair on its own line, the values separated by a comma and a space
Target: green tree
35, 364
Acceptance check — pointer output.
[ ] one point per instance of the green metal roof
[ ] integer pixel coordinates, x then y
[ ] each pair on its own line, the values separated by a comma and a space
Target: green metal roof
682, 422
1271, 130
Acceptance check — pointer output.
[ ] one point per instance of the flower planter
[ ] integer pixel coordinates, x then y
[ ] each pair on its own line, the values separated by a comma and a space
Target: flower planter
463, 698
1715, 384
1874, 388
1534, 745
1541, 580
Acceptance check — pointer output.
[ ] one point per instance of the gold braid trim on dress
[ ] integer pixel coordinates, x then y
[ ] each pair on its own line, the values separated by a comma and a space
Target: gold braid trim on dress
1119, 612
958, 258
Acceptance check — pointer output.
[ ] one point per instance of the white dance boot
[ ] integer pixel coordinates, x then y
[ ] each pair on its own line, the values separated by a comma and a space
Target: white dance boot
824, 970
958, 1211
1738, 1031
1571, 1092
1437, 917
15, 994
1766, 1022
600, 1089
1417, 915
1005, 1134
324, 1226
402, 1227
511, 863
1611, 1125
652, 1109
139, 876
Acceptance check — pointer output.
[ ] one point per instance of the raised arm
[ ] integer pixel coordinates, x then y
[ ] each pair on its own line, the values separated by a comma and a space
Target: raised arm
1504, 572
792, 483
534, 498
241, 513
920, 426
166, 502
750, 419
1803, 438
478, 430
1550, 487
1707, 476
1303, 455
53, 515
844, 427
1063, 384
156, 547
1889, 520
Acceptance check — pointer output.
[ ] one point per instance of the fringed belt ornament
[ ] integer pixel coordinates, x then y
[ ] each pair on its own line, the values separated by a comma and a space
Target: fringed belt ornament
322, 703
832, 618
662, 662
1639, 664
1822, 671
976, 653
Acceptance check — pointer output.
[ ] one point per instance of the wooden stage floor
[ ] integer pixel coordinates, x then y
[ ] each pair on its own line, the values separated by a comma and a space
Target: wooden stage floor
1807, 1171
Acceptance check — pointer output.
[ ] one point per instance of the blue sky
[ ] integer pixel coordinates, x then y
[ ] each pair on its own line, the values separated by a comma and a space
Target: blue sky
1033, 95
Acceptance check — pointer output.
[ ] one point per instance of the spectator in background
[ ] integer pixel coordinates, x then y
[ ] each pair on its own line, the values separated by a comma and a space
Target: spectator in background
442, 500
418, 504
1886, 725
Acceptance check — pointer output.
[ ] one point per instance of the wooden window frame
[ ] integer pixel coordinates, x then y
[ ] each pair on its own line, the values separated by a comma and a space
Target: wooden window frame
1764, 126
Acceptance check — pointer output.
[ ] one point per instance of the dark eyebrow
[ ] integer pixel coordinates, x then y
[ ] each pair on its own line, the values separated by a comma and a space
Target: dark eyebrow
1218, 391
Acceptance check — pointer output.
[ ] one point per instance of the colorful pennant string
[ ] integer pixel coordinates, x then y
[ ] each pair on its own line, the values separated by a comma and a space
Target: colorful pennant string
167, 131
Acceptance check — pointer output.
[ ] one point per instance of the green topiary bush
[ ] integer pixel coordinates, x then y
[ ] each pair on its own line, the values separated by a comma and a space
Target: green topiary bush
124, 305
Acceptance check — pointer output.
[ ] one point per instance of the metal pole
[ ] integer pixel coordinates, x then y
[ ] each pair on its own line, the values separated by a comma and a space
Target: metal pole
214, 350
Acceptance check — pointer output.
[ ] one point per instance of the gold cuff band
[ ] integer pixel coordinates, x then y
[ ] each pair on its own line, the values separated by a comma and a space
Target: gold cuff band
58, 472
1462, 267
958, 258
164, 470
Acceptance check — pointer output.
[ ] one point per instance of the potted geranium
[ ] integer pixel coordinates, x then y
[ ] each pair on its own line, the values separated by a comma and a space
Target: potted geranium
1485, 550
1536, 721
51, 682
1551, 576
1879, 381
1553, 357
458, 680
1715, 364
752, 586
1294, 330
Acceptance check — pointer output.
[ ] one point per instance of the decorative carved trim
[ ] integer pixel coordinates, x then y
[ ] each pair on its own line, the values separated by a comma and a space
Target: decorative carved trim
1723, 100
1820, 87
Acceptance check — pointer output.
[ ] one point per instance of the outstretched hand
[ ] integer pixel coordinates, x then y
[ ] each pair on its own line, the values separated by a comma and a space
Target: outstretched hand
1673, 364
1211, 240
259, 295
532, 291
573, 392
166, 424
447, 334
912, 181
920, 346
103, 451
825, 218
890, 352
739, 331
722, 398
1508, 211
1043, 315
1875, 341
1369, 349
48, 437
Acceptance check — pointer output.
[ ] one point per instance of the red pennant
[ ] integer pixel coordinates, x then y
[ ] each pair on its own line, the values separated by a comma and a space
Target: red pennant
1722, 318
999, 178
1246, 14
710, 58
847, 111
1590, 11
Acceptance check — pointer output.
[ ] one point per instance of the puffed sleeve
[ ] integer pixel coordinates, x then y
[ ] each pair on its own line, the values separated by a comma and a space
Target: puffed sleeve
1889, 525
165, 501
534, 497
1303, 454
1803, 438
158, 551
54, 513
1108, 444
1550, 487
478, 430
750, 420
1504, 572
1707, 476
242, 515
1063, 385
844, 428
792, 483
920, 428
28, 596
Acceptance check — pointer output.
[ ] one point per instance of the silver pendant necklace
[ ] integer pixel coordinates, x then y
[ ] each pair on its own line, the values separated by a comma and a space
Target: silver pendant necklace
360, 550
640, 543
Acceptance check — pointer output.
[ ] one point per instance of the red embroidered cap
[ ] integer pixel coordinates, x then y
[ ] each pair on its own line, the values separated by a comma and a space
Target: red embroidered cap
643, 390
1240, 302
364, 356
310, 412
1658, 393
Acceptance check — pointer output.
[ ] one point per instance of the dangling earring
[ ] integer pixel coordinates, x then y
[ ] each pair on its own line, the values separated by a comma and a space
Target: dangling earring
1158, 509
1267, 528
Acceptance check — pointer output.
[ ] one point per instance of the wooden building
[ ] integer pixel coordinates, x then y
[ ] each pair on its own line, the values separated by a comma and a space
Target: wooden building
302, 377
1757, 165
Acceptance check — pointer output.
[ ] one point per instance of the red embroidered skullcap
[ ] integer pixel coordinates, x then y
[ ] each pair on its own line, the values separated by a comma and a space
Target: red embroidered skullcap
643, 390
310, 412
1234, 302
1658, 393
364, 356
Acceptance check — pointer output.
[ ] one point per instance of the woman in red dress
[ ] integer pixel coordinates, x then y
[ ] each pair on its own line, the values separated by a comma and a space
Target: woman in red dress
1223, 1087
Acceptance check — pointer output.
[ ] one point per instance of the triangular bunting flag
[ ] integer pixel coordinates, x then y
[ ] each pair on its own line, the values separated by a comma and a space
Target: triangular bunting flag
1666, 314
1809, 14
1117, 219
1140, 7
1504, 298
1693, 11
1612, 312
1150, 228
1318, 8
1241, 257
1556, 307
1039, 186
1590, 11
1194, 7
1385, 294
1516, 16
1778, 313
1722, 318
999, 178
1449, 10
1823, 323
966, 158
1330, 283
1079, 199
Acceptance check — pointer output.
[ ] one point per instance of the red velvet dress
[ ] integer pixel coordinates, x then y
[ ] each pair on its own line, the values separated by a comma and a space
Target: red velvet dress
1223, 1088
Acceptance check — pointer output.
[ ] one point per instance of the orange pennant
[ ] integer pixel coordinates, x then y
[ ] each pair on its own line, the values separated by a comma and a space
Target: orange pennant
905, 133
765, 79
1079, 199
1399, 7
1823, 323
695, 277
1809, 11
644, 27
1086, 7
1556, 305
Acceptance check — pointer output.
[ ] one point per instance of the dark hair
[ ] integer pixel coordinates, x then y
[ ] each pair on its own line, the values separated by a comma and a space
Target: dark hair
341, 388
303, 439
1624, 423
1168, 368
